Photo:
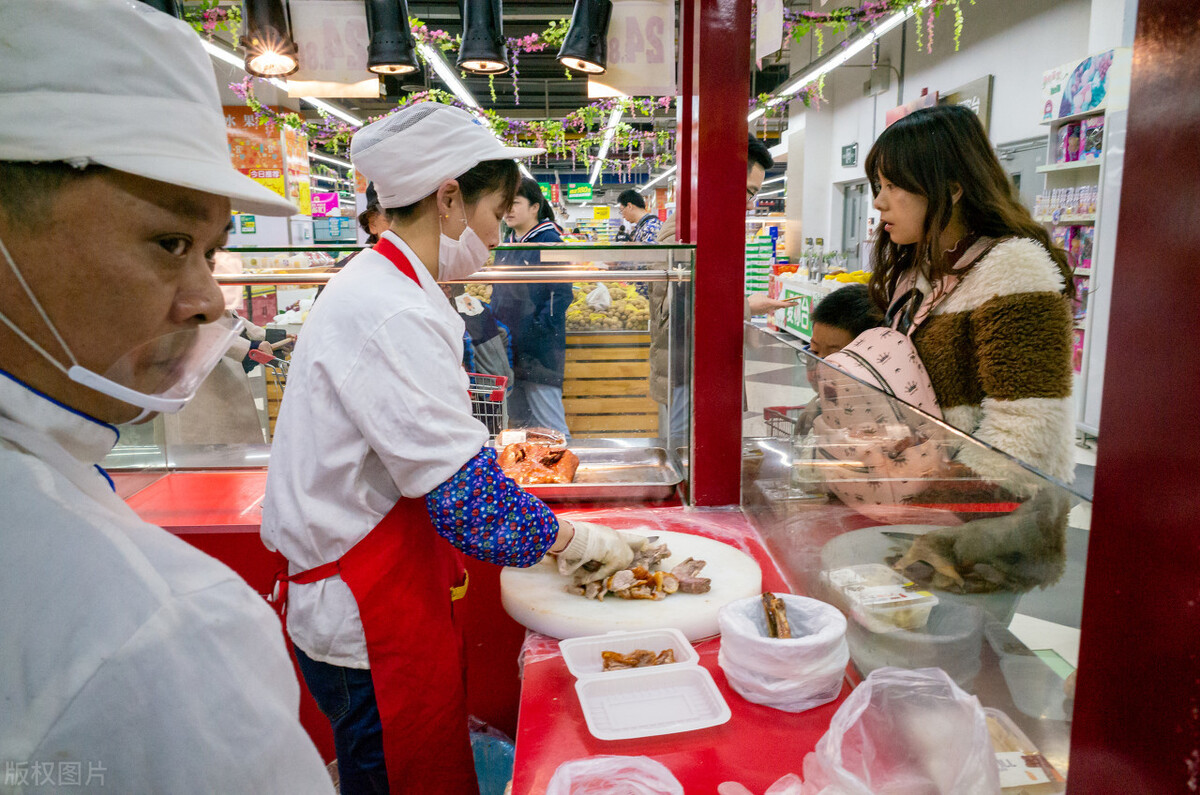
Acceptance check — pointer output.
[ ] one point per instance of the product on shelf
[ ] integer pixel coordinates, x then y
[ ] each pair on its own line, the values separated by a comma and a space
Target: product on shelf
1084, 238
1067, 150
1061, 236
1093, 138
1081, 298
1067, 201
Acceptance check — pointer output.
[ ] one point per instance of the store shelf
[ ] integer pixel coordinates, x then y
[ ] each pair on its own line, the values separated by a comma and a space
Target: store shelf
1087, 114
1066, 220
765, 219
1074, 164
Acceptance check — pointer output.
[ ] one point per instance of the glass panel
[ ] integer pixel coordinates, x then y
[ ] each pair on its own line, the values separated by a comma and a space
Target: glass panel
591, 339
940, 550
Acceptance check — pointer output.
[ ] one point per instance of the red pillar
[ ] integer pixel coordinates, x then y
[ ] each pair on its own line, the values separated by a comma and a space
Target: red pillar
719, 61
1137, 711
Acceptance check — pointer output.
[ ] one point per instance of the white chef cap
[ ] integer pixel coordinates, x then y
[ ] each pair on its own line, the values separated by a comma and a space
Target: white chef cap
119, 84
409, 154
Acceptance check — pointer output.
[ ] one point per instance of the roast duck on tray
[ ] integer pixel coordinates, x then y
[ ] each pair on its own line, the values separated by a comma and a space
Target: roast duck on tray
540, 457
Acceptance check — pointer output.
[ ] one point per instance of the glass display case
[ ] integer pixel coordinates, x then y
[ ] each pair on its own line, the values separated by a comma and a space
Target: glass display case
575, 315
941, 551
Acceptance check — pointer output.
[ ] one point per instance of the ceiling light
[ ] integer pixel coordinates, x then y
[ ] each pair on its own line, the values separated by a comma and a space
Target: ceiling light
392, 48
660, 177
852, 48
270, 51
614, 119
328, 159
757, 113
585, 47
435, 59
333, 110
769, 193
483, 49
775, 179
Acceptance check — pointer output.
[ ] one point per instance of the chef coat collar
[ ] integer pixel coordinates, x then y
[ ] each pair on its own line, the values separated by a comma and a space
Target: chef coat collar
84, 437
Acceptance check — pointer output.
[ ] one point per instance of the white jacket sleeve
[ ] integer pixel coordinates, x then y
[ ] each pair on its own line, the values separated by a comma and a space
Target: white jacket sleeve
202, 698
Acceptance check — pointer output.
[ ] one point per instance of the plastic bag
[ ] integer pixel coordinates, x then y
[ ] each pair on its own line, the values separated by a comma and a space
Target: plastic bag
792, 674
613, 775
599, 298
905, 733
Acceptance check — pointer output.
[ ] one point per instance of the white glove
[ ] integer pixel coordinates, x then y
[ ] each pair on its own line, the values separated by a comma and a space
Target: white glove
610, 551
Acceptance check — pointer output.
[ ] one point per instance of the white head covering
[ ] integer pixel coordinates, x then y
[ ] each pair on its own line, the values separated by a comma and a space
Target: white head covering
119, 84
409, 154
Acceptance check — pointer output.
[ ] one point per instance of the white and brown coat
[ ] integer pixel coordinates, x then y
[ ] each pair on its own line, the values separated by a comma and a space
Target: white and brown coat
998, 350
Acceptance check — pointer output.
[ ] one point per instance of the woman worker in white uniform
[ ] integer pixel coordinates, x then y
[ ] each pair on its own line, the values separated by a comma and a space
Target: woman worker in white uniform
380, 479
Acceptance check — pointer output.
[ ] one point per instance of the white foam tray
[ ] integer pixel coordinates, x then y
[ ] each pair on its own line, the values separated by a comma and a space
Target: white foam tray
645, 702
584, 655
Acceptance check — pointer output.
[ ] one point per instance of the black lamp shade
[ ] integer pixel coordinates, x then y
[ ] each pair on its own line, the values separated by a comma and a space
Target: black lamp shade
270, 51
392, 49
165, 6
483, 49
585, 48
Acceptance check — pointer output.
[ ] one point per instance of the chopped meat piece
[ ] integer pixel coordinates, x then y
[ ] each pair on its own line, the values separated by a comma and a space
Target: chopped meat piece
639, 592
638, 658
577, 590
670, 583
649, 555
686, 573
621, 580
594, 590
777, 623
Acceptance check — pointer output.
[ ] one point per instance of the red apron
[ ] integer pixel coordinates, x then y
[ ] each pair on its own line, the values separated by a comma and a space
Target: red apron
405, 578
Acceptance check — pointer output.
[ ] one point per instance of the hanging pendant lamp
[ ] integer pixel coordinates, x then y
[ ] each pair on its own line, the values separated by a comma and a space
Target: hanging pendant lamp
392, 49
585, 48
270, 51
483, 50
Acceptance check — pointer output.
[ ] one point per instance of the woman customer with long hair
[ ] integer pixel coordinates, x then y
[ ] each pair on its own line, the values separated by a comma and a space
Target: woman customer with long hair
962, 267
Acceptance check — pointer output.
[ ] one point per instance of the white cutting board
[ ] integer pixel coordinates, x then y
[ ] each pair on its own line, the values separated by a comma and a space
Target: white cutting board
536, 597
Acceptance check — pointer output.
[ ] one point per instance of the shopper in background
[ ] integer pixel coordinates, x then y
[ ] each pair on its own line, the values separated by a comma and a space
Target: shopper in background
536, 314
644, 225
381, 478
669, 382
124, 652
962, 267
372, 220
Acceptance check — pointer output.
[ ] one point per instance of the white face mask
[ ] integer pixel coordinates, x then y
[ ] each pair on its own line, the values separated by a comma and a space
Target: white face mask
458, 259
161, 375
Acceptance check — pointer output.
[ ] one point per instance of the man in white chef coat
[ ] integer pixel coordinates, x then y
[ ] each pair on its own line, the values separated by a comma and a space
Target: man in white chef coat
128, 659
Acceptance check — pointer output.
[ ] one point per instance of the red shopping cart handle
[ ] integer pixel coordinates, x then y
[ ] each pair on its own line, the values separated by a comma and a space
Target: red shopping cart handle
262, 357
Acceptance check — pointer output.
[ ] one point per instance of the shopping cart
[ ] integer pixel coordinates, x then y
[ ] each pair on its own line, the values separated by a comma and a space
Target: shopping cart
487, 400
274, 365
783, 421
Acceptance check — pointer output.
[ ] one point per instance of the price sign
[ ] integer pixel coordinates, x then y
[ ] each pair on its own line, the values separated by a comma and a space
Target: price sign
641, 48
798, 319
578, 192
601, 214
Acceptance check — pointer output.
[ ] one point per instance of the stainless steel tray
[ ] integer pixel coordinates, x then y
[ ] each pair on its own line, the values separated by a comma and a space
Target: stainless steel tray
615, 473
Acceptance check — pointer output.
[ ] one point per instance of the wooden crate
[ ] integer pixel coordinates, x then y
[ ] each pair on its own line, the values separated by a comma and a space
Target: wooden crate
606, 385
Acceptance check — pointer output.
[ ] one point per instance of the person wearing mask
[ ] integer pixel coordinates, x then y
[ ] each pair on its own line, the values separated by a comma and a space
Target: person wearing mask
381, 479
536, 314
669, 382
644, 225
124, 651
962, 268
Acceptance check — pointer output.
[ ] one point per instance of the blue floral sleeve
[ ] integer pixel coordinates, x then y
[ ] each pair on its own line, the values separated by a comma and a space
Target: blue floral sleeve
483, 512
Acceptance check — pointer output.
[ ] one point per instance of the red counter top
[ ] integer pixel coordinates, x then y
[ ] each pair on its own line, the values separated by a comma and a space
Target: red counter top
755, 747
